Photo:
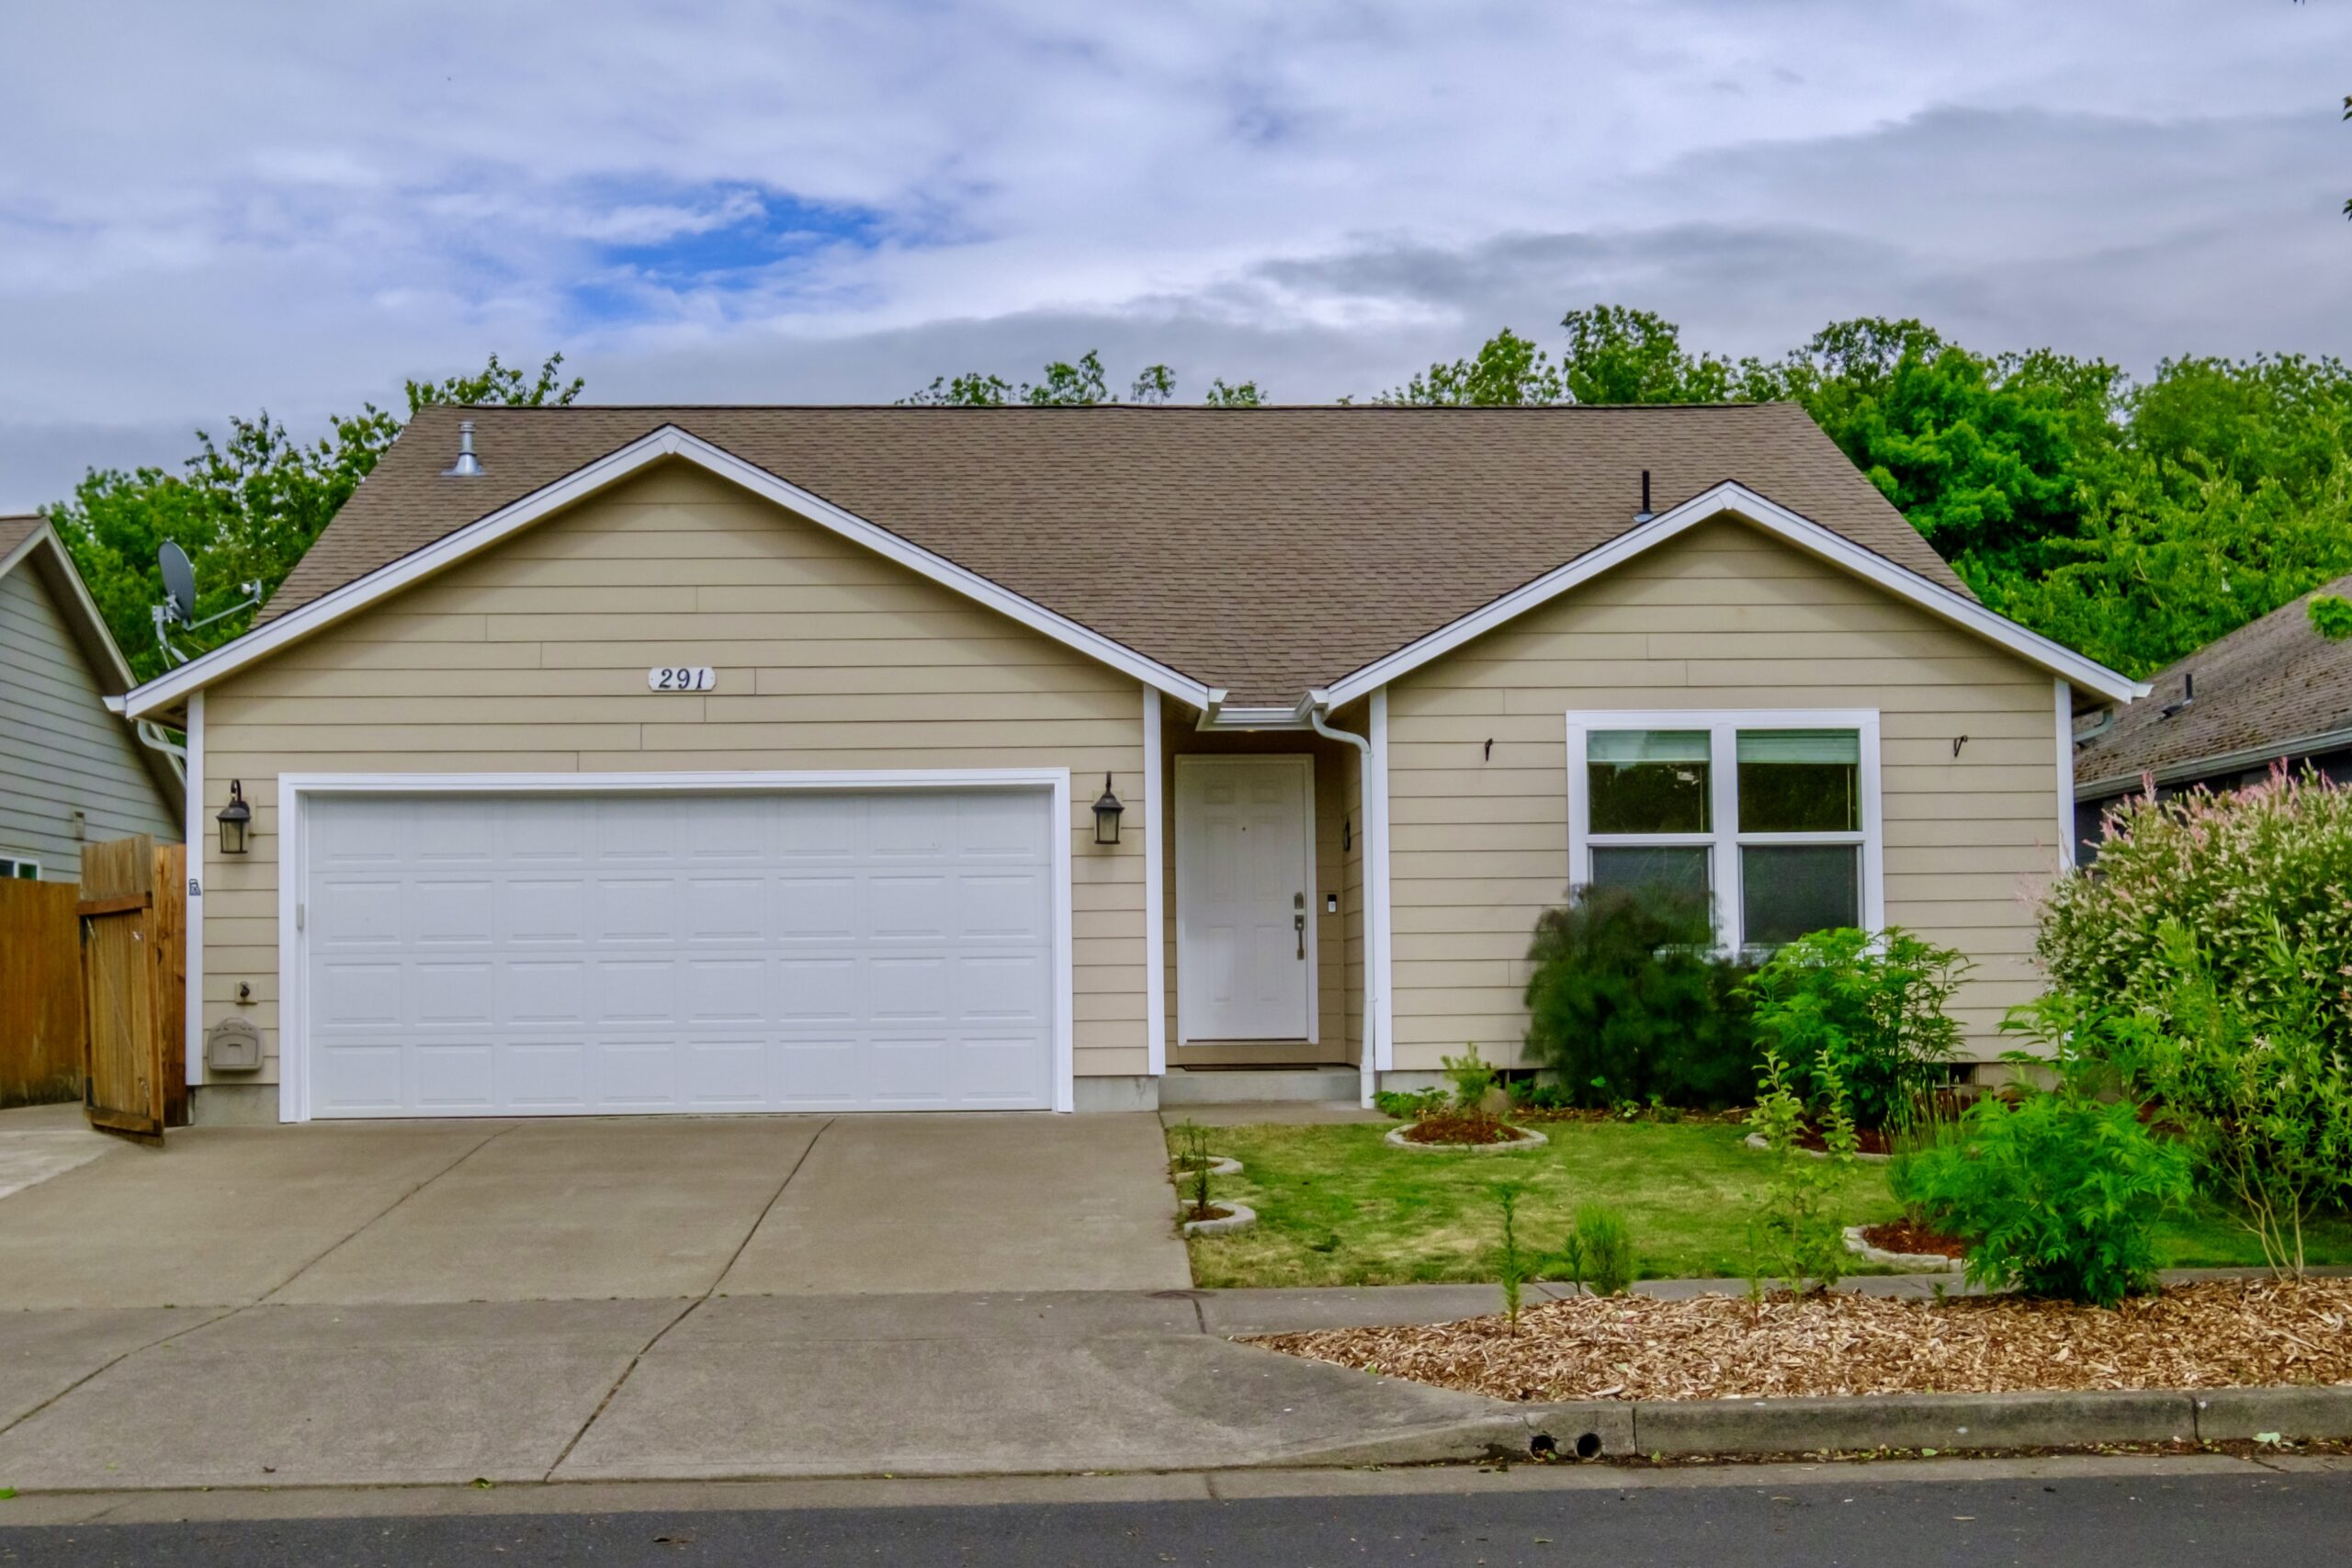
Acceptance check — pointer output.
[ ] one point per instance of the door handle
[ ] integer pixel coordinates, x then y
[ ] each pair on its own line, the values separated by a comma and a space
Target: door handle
1298, 924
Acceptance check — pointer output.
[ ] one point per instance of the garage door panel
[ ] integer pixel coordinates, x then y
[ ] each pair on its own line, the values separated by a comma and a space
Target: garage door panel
1001, 906
459, 994
454, 1076
634, 910
729, 992
817, 908
722, 909
792, 951
819, 1072
543, 1074
633, 991
445, 911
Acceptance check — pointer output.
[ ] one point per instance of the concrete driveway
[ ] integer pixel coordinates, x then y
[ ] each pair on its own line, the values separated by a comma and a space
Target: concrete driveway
357, 1213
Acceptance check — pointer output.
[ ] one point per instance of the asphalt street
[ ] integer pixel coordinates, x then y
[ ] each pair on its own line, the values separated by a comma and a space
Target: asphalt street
1863, 1515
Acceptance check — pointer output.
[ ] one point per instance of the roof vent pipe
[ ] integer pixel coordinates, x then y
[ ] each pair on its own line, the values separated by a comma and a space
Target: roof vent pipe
468, 466
1643, 514
2187, 695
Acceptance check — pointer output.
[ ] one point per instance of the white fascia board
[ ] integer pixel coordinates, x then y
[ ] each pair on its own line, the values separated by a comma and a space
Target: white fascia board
1253, 718
608, 470
1737, 499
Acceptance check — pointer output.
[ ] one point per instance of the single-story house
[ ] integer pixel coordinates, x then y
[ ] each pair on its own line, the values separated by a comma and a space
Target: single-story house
2274, 692
639, 759
71, 772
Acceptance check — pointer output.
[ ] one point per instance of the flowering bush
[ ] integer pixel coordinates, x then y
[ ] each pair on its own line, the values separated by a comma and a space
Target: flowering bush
2238, 870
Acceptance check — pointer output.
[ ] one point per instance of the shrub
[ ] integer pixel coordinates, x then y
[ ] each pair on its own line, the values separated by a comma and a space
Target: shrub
1797, 1233
1866, 1012
1628, 1001
2056, 1191
1471, 1075
2254, 1088
1194, 1162
1512, 1264
2228, 866
1407, 1105
1599, 1254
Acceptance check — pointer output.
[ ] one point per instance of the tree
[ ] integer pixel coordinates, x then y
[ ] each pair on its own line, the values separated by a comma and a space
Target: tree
1508, 369
1618, 355
1081, 383
1241, 395
246, 509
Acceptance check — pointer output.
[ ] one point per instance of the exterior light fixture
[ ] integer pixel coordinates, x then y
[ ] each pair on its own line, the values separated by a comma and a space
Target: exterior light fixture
236, 820
1106, 815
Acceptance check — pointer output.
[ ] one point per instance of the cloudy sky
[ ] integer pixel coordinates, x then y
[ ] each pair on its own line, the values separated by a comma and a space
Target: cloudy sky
212, 207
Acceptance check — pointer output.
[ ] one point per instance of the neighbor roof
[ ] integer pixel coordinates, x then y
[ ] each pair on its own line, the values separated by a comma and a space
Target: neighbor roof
30, 540
2268, 689
1266, 551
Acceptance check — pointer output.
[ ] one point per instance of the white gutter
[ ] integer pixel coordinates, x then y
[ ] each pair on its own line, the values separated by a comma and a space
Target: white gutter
1367, 1074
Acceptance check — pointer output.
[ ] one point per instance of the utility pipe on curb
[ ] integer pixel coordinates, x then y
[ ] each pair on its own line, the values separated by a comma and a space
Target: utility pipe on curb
1318, 703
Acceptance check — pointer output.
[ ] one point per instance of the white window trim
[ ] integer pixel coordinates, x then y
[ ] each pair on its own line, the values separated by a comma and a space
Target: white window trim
1725, 841
296, 790
16, 864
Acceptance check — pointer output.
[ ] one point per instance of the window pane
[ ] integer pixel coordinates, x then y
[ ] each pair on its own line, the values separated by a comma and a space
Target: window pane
1682, 868
1800, 781
1787, 891
1648, 781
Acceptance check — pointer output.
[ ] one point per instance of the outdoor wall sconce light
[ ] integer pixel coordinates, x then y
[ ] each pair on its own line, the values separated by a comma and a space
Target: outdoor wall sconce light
236, 820
1106, 815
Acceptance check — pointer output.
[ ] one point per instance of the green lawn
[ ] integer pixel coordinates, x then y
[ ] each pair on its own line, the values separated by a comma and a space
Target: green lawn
1337, 1206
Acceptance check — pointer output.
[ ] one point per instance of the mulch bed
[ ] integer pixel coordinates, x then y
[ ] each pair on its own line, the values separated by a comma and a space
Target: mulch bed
1193, 1212
2211, 1334
1907, 1235
1460, 1127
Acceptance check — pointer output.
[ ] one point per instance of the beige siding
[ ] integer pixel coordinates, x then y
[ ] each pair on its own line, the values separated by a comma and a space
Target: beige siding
1724, 617
532, 657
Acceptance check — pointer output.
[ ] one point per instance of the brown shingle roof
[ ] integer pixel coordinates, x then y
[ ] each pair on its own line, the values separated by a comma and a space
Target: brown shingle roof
15, 530
1264, 550
2271, 681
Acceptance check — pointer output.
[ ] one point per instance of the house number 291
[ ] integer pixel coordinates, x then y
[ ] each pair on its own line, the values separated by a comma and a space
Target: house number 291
682, 678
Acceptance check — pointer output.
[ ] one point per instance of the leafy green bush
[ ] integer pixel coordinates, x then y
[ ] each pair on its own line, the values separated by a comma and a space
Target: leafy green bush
1797, 1232
2056, 1191
1866, 1012
1407, 1105
1471, 1075
1599, 1253
2256, 1088
1628, 1002
2227, 867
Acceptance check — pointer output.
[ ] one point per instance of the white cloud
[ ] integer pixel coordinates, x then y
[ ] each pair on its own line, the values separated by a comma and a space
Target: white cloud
205, 210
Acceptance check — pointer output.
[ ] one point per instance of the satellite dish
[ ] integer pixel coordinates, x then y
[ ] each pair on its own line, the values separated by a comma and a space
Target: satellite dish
179, 583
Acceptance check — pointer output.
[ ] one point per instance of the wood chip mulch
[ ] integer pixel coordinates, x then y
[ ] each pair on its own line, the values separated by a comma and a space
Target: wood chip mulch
1907, 1235
1451, 1126
2208, 1335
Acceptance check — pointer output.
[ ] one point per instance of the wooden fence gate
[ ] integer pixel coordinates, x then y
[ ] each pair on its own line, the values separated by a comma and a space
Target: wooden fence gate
135, 963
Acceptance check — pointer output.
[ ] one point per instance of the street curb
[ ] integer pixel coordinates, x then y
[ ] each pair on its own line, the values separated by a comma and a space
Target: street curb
1609, 1428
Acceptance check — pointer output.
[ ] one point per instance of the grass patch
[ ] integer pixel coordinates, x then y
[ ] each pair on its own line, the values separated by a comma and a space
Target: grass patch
1336, 1206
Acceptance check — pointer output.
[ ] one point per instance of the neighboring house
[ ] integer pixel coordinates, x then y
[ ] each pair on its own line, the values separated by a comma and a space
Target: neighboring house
71, 773
743, 759
2272, 692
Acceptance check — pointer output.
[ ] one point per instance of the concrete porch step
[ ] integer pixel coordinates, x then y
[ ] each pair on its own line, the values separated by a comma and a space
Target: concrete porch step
1228, 1085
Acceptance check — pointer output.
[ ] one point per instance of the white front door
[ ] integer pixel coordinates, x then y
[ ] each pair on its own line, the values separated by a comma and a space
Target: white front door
476, 954
1245, 954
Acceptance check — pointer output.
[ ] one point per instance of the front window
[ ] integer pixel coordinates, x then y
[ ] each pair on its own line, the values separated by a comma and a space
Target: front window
1774, 817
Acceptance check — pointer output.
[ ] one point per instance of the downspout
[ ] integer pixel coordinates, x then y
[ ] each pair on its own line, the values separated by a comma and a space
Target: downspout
1317, 703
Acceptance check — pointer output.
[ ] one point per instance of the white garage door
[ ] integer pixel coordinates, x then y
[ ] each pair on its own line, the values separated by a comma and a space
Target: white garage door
477, 955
